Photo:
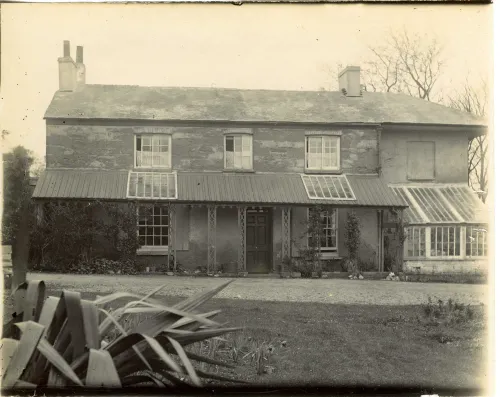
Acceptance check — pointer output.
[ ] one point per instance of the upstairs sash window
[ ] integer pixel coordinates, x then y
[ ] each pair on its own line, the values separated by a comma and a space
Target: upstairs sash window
238, 152
323, 153
153, 151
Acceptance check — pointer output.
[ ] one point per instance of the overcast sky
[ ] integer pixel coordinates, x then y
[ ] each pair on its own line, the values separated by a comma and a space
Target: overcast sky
290, 47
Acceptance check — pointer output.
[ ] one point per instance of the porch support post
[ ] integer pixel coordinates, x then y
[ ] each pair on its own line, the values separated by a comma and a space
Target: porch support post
242, 246
212, 227
285, 234
400, 244
172, 226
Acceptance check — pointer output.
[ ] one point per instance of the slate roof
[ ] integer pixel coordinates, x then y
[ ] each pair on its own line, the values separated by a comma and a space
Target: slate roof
202, 187
239, 105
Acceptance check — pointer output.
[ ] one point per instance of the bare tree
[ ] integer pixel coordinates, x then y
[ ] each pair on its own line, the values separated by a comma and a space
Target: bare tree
405, 63
474, 100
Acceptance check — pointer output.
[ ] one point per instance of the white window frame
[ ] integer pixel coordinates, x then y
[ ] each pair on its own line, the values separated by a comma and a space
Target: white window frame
456, 227
476, 231
329, 250
335, 167
242, 135
169, 166
150, 248
415, 230
463, 242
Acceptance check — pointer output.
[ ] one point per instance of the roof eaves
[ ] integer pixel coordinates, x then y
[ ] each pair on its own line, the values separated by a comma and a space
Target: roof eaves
435, 125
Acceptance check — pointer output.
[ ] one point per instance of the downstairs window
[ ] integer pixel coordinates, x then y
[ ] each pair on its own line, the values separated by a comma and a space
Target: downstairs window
152, 226
328, 235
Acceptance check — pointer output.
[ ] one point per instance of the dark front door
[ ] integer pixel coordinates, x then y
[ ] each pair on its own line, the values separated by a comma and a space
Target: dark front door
258, 241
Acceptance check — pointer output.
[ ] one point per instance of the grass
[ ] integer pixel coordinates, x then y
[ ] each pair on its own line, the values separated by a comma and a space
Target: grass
328, 344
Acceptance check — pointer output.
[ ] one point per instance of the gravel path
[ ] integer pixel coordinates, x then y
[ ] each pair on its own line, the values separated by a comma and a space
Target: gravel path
291, 290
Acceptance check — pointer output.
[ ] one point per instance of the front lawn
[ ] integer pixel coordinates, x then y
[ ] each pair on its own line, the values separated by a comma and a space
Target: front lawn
330, 344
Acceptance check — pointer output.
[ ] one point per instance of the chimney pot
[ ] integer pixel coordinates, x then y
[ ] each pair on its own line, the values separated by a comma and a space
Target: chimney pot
66, 48
79, 54
349, 81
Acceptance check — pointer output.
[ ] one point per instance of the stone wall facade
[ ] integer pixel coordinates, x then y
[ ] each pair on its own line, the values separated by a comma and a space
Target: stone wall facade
195, 148
467, 266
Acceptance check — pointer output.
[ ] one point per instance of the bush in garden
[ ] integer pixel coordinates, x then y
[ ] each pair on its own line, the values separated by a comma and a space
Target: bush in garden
352, 241
447, 313
71, 342
78, 233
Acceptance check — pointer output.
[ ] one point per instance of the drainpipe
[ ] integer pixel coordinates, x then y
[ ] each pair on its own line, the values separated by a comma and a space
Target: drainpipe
381, 240
379, 137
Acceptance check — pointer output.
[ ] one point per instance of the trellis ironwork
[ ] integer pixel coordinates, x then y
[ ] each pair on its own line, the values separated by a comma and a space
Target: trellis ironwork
242, 228
285, 230
212, 227
172, 249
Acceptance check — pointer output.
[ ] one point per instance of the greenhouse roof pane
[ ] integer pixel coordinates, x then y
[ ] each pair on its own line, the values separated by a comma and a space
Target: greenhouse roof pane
152, 185
441, 204
411, 213
329, 187
434, 205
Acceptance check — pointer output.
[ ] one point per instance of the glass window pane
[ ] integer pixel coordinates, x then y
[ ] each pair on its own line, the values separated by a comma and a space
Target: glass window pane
156, 185
229, 144
155, 142
237, 160
229, 159
314, 145
171, 186
140, 185
246, 143
246, 162
237, 144
132, 188
164, 220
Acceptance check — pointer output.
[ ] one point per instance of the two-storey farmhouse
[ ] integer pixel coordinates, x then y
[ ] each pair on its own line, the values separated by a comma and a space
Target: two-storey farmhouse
233, 173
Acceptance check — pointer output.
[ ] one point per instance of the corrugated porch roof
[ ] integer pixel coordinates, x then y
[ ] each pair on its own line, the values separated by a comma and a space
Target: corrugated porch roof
213, 187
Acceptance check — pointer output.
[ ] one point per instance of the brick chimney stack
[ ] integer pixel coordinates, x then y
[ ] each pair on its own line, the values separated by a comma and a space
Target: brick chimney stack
349, 81
71, 73
80, 67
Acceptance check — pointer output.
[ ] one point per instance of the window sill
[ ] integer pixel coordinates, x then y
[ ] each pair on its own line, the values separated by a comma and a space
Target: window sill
331, 172
152, 251
152, 169
239, 170
421, 180
438, 258
330, 255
